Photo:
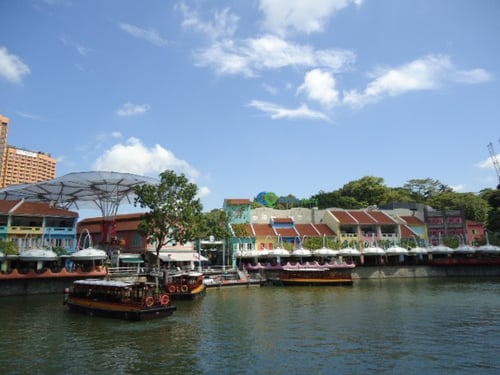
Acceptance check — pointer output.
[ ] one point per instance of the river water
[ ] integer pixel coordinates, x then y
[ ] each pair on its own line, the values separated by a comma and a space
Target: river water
410, 326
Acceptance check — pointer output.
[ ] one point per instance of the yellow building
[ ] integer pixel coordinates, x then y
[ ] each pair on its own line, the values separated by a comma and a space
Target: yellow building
20, 166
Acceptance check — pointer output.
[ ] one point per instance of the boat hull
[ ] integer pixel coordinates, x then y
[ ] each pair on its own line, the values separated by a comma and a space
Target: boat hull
118, 311
189, 295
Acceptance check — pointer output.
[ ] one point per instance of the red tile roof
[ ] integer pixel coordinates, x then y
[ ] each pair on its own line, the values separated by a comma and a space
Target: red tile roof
18, 207
363, 217
406, 232
343, 217
263, 230
325, 230
283, 220
381, 217
238, 201
308, 230
412, 220
286, 232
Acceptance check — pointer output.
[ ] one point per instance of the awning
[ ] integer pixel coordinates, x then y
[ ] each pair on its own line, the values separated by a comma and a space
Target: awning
132, 260
182, 257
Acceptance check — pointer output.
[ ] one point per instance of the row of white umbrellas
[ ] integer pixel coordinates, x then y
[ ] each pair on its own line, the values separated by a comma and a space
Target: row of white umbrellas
371, 250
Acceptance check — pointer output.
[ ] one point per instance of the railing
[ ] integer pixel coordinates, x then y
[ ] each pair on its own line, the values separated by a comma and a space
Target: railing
127, 271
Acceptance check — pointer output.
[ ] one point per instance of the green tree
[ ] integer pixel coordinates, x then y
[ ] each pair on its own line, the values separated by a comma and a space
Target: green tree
493, 198
368, 191
215, 223
474, 207
174, 214
335, 199
425, 188
9, 247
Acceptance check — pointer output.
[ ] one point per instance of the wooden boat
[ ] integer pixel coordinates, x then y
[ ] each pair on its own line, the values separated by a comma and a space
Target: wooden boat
185, 285
309, 275
118, 299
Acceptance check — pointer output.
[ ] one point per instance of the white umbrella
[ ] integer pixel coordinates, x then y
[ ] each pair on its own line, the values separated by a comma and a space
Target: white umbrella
396, 250
89, 253
301, 252
373, 250
488, 248
37, 254
417, 250
440, 249
325, 251
279, 252
349, 251
465, 249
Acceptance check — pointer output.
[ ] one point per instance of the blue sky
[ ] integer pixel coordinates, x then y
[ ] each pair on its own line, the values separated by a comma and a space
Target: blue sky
293, 97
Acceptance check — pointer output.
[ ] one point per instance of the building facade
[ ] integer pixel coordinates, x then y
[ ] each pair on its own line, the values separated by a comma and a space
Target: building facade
19, 166
4, 136
38, 225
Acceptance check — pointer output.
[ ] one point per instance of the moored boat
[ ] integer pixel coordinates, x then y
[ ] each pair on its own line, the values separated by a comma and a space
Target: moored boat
185, 285
118, 299
313, 275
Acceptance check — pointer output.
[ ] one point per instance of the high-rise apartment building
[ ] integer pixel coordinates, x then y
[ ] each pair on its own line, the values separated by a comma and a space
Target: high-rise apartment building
20, 166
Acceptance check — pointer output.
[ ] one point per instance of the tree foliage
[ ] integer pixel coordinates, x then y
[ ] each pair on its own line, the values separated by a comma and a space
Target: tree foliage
174, 214
474, 207
215, 223
369, 190
9, 247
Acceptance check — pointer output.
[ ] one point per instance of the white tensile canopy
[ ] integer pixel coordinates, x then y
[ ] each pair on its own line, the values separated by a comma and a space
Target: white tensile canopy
98, 189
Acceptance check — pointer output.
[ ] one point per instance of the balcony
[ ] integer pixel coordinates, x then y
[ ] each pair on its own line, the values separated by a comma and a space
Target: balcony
26, 230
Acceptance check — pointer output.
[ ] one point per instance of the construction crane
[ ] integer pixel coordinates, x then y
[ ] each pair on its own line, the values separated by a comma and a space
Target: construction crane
494, 160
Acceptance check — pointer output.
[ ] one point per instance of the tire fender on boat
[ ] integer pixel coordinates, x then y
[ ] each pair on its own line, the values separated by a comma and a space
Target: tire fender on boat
172, 289
164, 299
150, 301
184, 288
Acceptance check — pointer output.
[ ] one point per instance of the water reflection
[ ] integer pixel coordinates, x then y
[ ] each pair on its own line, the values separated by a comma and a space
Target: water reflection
410, 326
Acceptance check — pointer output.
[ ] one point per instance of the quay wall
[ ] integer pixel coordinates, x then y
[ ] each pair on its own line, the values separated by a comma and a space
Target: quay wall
394, 272
26, 287
57, 285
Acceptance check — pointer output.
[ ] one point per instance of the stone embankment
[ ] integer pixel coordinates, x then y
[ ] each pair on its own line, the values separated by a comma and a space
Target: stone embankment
394, 272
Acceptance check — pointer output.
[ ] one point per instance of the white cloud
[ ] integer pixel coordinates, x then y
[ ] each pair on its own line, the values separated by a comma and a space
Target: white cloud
152, 36
458, 188
488, 163
12, 67
282, 16
278, 112
224, 23
135, 157
268, 52
319, 85
203, 192
427, 73
130, 109
30, 116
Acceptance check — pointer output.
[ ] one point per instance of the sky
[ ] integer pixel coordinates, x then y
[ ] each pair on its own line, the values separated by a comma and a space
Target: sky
243, 97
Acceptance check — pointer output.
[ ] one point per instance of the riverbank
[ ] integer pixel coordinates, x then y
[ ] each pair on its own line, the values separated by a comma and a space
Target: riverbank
57, 285
387, 272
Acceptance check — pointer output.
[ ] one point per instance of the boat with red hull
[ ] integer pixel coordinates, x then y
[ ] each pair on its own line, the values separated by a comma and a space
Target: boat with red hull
185, 285
118, 299
307, 275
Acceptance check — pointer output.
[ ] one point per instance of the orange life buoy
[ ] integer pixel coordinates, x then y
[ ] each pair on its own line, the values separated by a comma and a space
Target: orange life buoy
164, 299
172, 288
150, 301
184, 288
